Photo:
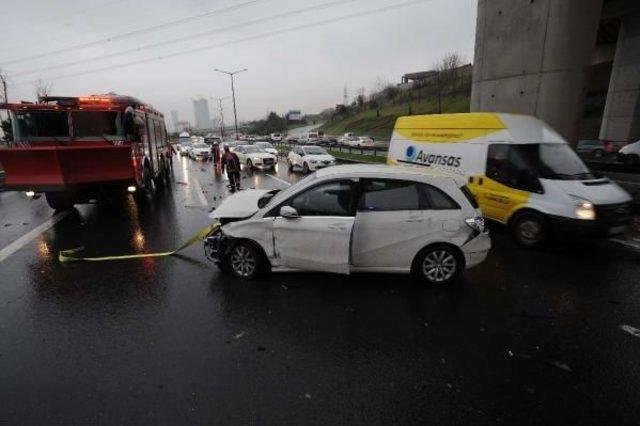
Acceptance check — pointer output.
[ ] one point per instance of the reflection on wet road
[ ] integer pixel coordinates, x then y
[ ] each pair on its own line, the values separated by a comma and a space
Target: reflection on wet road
528, 336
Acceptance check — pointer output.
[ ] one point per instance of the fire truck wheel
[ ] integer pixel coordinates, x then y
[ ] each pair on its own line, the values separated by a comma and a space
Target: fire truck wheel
60, 200
146, 190
161, 179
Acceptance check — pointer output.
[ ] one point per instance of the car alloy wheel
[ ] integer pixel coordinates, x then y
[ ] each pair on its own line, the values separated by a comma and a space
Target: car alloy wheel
243, 261
439, 266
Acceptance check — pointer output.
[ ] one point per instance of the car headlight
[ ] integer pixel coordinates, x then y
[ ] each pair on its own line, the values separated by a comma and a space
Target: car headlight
476, 223
257, 159
584, 208
313, 161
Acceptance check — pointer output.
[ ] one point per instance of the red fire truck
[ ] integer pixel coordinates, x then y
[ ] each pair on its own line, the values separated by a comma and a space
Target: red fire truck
76, 149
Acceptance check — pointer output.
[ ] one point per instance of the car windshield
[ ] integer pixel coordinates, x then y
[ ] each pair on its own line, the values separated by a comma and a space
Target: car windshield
200, 145
314, 150
34, 125
97, 124
252, 149
264, 145
555, 161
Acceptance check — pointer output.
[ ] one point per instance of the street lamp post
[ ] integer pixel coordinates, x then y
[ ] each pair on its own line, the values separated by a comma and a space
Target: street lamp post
221, 115
233, 93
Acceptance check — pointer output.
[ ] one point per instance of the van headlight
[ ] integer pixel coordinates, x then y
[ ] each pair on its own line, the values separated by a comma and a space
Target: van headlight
584, 208
476, 223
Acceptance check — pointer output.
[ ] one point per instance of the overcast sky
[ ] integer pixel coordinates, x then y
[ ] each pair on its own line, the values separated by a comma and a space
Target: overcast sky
300, 54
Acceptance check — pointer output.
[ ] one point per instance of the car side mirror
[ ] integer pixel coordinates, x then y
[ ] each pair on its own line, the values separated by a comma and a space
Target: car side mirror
289, 212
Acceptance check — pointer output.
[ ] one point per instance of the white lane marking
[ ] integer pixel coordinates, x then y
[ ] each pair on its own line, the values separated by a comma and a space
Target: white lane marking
31, 235
632, 244
199, 193
631, 330
278, 179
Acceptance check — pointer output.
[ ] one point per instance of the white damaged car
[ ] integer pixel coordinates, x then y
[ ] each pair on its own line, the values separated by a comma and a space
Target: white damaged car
354, 218
255, 157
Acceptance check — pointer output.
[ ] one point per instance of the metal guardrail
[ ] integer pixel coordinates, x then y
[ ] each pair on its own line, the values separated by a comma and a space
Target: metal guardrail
284, 148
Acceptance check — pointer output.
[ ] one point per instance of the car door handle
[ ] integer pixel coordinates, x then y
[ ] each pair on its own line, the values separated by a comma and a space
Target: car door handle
415, 219
337, 227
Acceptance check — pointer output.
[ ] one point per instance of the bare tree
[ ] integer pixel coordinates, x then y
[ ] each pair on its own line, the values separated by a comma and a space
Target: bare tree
42, 88
360, 98
448, 68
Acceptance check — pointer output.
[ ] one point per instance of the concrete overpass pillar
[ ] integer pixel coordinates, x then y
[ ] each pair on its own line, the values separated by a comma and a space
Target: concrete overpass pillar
531, 56
621, 119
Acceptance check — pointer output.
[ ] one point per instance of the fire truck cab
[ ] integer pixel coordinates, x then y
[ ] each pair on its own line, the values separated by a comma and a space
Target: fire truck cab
78, 149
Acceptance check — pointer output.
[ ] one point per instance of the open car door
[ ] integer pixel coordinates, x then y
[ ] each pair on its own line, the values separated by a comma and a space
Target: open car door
313, 228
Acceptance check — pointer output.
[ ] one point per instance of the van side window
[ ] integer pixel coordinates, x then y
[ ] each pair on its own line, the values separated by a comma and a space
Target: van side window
508, 165
383, 195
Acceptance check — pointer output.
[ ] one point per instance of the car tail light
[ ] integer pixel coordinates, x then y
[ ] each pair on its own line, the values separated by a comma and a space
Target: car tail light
476, 223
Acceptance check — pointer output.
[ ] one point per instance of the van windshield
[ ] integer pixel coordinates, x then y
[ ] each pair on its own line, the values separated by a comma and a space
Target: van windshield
555, 161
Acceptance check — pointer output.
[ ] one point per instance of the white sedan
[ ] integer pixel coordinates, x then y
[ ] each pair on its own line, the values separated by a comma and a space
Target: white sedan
200, 151
254, 157
184, 147
361, 142
355, 218
266, 146
309, 158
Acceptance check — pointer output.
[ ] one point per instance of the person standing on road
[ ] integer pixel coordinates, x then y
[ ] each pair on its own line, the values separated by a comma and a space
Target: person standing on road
231, 164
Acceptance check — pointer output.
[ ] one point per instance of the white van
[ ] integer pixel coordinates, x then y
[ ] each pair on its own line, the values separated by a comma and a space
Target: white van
521, 171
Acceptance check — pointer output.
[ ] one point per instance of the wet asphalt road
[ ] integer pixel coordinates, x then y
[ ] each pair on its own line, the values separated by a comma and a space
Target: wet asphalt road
527, 337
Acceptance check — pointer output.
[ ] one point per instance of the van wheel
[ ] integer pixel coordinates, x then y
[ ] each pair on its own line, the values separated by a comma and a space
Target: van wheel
60, 200
305, 169
530, 230
438, 265
245, 261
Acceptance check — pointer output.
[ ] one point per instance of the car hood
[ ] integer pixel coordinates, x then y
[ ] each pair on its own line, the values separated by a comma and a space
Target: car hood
239, 205
609, 193
320, 157
201, 150
632, 147
259, 155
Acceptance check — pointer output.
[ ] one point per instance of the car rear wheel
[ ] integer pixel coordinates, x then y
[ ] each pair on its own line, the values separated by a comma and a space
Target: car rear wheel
245, 261
60, 200
438, 265
530, 230
249, 165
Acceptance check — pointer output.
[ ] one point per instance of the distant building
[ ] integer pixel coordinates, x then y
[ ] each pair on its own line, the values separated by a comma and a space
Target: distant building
174, 120
294, 115
426, 78
201, 113
183, 126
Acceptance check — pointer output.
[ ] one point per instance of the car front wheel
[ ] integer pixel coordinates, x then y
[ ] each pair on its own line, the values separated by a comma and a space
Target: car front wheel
305, 168
438, 265
245, 261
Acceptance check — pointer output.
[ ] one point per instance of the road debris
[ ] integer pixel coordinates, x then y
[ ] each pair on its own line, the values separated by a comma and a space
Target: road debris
239, 335
631, 330
558, 364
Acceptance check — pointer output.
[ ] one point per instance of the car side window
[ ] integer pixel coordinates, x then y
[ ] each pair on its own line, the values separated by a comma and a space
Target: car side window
433, 198
327, 199
389, 195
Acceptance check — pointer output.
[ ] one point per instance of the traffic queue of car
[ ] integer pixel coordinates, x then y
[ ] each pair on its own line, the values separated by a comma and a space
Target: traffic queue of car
424, 212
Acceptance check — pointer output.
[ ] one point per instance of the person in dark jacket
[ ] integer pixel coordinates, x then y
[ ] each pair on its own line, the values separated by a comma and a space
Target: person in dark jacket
231, 164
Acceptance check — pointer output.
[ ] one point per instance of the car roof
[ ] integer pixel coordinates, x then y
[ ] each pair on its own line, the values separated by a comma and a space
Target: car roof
388, 171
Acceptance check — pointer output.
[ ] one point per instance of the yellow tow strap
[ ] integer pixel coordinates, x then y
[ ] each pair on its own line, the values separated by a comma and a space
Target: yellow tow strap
67, 255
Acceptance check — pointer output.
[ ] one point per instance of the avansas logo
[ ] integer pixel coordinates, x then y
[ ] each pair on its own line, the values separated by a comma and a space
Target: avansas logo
424, 158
